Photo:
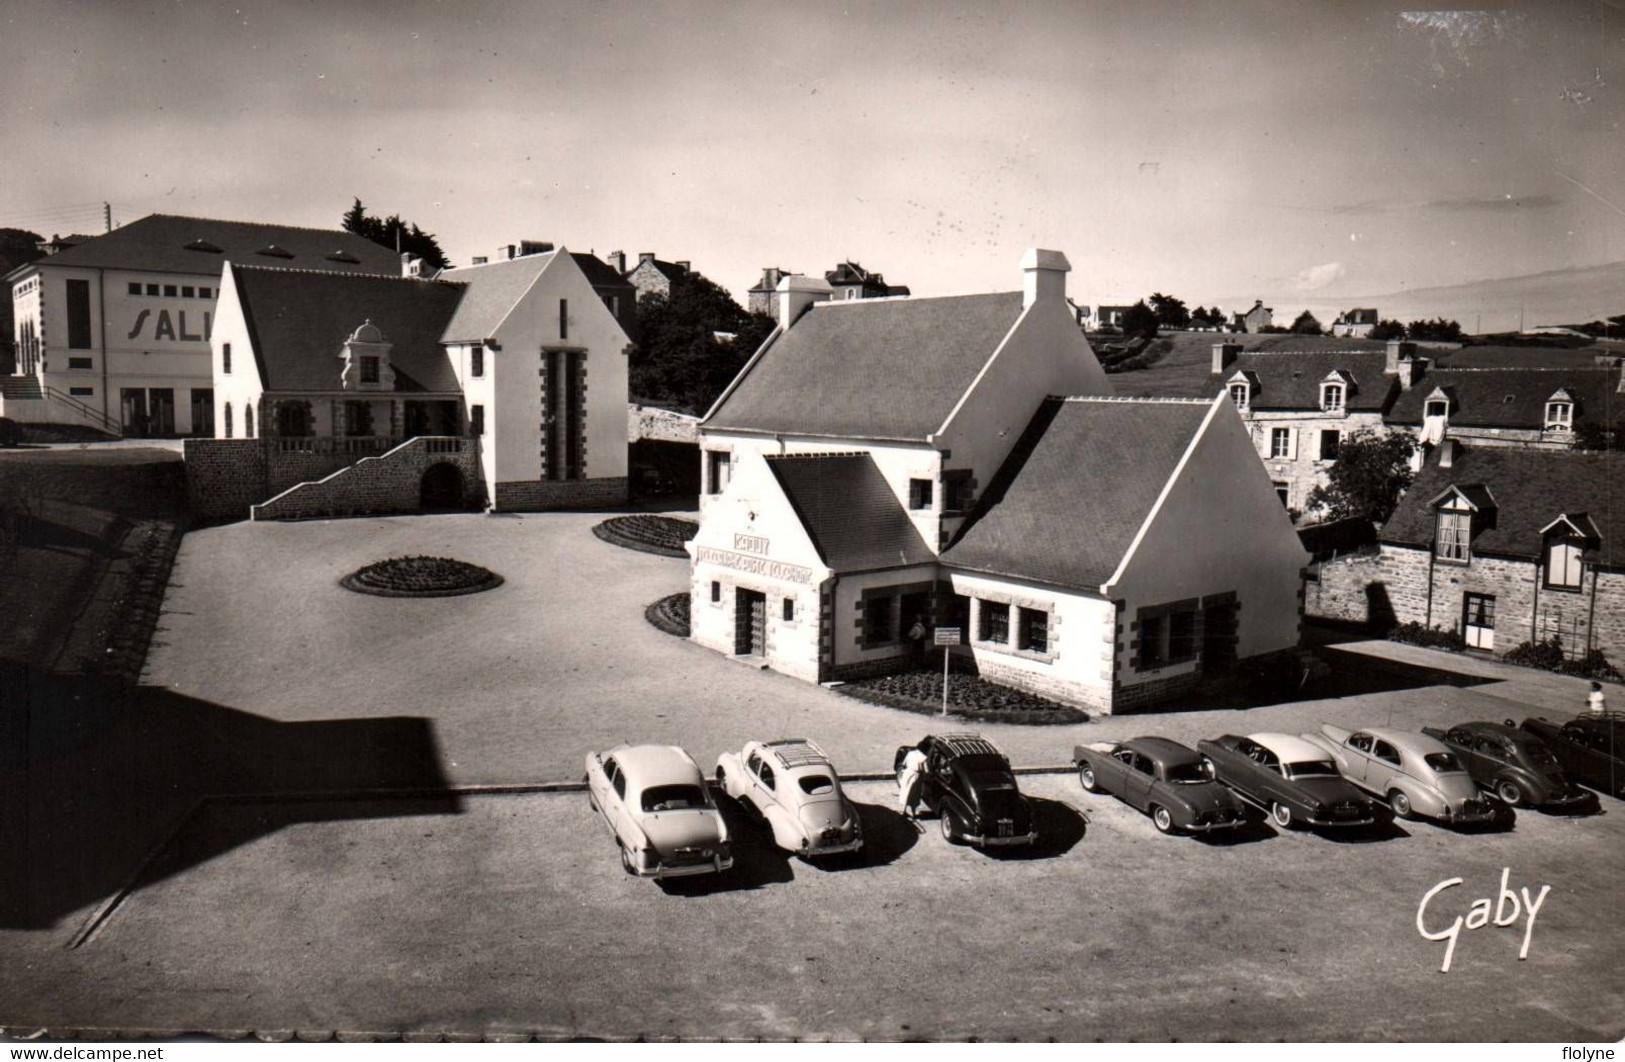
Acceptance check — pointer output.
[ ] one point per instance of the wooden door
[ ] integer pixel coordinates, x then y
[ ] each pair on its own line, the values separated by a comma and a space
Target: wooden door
1478, 620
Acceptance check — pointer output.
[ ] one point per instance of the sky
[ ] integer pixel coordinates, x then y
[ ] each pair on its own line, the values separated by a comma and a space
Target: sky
1215, 151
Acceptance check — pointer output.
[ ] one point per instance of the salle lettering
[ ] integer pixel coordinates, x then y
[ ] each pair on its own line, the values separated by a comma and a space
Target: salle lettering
1508, 905
164, 328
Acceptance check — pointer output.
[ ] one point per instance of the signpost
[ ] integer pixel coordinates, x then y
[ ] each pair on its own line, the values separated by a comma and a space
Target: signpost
946, 637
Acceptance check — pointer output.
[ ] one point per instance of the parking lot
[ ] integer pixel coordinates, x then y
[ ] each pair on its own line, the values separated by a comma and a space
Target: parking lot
475, 912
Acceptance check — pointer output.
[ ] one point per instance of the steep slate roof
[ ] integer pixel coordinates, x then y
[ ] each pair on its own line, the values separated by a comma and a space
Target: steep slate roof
1292, 379
852, 516
493, 289
298, 321
1358, 316
870, 369
1513, 398
670, 270
158, 243
1077, 486
1530, 488
600, 274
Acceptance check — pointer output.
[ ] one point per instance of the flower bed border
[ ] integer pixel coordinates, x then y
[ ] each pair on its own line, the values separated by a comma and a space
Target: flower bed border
490, 581
609, 531
658, 613
1061, 715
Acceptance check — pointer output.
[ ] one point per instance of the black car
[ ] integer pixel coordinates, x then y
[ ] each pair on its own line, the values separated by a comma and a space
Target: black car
969, 784
1162, 778
1590, 747
1290, 778
1513, 764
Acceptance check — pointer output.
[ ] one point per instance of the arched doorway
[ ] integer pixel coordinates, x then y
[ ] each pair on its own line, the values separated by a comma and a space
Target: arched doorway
441, 488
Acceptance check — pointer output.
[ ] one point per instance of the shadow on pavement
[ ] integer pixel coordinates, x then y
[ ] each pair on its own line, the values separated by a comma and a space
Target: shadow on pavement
758, 862
886, 836
1386, 828
1060, 827
96, 774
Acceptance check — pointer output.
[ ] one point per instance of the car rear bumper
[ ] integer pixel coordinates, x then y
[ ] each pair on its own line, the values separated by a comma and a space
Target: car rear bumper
818, 851
1364, 820
1574, 798
1206, 827
686, 870
999, 842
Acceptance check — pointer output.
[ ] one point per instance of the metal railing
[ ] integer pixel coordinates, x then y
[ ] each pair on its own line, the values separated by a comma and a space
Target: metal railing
96, 417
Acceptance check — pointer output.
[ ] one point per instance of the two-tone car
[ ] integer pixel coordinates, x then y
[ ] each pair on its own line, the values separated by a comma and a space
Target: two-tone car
659, 809
1166, 780
1294, 781
1416, 774
1591, 748
969, 784
1513, 764
793, 786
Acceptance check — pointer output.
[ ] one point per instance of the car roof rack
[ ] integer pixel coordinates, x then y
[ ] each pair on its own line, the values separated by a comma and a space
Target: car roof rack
797, 752
969, 745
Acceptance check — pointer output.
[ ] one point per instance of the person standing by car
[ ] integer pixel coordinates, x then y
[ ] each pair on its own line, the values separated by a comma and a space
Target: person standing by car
1596, 701
908, 782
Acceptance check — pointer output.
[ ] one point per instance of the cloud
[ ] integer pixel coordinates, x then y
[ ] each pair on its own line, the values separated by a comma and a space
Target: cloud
1316, 277
1495, 203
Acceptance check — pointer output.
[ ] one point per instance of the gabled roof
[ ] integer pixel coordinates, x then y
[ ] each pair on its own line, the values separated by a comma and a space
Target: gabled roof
1580, 524
1358, 316
849, 511
870, 369
1513, 398
158, 243
848, 273
493, 290
299, 319
1532, 488
599, 273
1291, 379
670, 270
1071, 497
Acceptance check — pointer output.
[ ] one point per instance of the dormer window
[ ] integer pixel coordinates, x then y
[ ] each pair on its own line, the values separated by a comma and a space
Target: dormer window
343, 256
273, 251
203, 245
1560, 412
369, 369
1564, 567
1438, 407
1240, 394
1455, 535
1332, 394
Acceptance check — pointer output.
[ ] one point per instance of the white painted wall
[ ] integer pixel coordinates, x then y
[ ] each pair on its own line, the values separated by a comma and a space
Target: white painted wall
1081, 633
242, 386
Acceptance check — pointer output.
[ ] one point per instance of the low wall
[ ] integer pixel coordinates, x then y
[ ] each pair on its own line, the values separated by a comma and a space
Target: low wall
388, 483
650, 422
534, 496
1353, 589
224, 477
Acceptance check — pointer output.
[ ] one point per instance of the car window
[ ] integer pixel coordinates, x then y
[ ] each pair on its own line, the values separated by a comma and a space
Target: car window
1187, 773
1386, 752
1247, 748
612, 771
619, 783
1361, 742
765, 773
1442, 762
1540, 755
987, 781
673, 797
1464, 738
1144, 765
1125, 755
1310, 768
817, 784
754, 763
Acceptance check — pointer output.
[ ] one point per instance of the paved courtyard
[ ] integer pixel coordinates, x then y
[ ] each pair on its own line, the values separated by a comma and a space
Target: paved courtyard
508, 912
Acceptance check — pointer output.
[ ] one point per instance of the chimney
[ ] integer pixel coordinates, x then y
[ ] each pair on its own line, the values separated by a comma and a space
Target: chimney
411, 265
1397, 349
1447, 453
530, 247
645, 257
683, 266
505, 252
479, 259
617, 261
1224, 354
1410, 371
795, 293
1043, 275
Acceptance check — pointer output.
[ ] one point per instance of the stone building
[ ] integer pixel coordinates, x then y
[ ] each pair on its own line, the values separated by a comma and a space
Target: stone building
1501, 545
847, 281
113, 331
1538, 408
651, 276
1355, 324
1254, 320
879, 463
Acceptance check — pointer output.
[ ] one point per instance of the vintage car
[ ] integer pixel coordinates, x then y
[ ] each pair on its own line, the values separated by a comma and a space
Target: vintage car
793, 786
969, 784
1294, 781
1513, 764
1164, 779
659, 808
1591, 748
1416, 774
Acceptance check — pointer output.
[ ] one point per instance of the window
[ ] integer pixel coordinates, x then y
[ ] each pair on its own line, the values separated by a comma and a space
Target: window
564, 318
205, 293
1563, 565
789, 612
1330, 440
1281, 443
476, 361
1438, 408
152, 289
1032, 628
369, 369
958, 491
717, 467
1181, 637
1385, 752
1362, 742
1284, 492
765, 773
1168, 634
1239, 395
79, 314
135, 289
919, 493
225, 357
248, 421
81, 392
1331, 397
186, 292
1559, 416
81, 363
169, 291
228, 420
1152, 630
716, 592
877, 621
476, 420
358, 418
1455, 532
995, 622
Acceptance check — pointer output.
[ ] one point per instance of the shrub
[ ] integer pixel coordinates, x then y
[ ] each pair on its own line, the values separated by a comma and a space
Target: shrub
1548, 656
10, 433
1430, 637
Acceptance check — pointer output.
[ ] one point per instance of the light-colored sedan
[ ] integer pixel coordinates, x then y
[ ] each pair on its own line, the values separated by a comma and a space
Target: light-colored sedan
1414, 773
793, 786
659, 808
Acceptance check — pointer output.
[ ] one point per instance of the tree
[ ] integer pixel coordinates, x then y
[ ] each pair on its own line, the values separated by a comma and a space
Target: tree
1171, 312
1140, 320
1435, 329
17, 247
392, 232
1388, 330
1591, 435
1307, 324
1372, 469
678, 359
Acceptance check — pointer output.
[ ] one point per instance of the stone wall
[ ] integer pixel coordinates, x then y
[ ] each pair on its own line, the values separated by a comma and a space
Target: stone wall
224, 477
532, 496
388, 483
650, 422
1306, 471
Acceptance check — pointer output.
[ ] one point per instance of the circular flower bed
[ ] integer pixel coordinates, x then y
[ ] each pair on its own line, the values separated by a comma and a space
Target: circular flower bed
421, 577
663, 535
969, 697
670, 614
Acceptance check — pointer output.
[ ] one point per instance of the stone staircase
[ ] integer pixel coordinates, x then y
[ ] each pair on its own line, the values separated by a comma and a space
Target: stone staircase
21, 389
25, 400
391, 482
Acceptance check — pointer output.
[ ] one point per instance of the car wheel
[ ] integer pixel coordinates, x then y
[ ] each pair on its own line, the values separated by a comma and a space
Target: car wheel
1281, 814
1086, 778
948, 833
1160, 816
626, 859
1508, 792
1400, 803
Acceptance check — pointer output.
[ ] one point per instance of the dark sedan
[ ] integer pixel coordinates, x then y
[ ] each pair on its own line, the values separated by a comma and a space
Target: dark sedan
969, 784
1295, 781
1162, 778
1513, 764
1590, 747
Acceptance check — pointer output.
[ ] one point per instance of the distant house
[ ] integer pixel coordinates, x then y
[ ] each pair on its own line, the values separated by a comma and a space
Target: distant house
1355, 324
1500, 545
1094, 319
1532, 408
851, 281
759, 299
1254, 320
652, 276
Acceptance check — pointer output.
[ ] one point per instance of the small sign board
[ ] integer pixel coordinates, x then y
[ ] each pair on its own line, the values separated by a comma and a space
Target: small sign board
948, 635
